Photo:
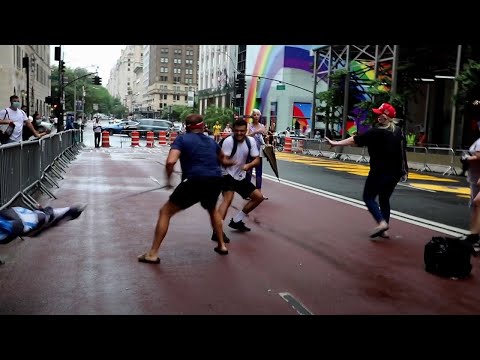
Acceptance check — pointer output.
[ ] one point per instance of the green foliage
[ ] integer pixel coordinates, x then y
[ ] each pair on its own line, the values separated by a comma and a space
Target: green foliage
468, 84
332, 98
94, 94
220, 114
180, 112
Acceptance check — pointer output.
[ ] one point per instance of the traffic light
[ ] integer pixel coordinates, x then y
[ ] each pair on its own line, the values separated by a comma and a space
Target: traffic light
48, 100
240, 84
61, 66
97, 80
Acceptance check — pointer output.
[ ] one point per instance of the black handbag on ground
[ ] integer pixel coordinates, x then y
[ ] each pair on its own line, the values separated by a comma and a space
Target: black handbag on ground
448, 257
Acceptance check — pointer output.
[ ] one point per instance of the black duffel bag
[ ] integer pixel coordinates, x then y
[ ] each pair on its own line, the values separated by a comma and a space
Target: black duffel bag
448, 257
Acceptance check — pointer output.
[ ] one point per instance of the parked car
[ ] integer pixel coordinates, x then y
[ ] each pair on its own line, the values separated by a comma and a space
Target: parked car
155, 125
121, 127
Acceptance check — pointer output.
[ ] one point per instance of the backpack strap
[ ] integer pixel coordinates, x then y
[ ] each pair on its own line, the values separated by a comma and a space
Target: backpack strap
6, 114
235, 144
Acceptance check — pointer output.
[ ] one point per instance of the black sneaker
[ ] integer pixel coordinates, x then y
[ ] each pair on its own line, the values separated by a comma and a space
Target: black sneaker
240, 226
226, 240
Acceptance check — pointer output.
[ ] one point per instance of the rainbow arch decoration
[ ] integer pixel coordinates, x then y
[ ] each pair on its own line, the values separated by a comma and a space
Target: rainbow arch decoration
270, 60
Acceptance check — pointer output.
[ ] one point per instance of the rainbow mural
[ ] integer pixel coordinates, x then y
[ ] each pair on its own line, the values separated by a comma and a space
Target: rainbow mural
269, 61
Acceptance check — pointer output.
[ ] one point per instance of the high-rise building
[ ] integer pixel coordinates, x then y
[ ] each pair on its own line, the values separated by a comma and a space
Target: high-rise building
172, 74
218, 68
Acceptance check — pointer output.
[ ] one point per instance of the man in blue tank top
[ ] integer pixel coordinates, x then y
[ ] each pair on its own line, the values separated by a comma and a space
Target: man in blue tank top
200, 158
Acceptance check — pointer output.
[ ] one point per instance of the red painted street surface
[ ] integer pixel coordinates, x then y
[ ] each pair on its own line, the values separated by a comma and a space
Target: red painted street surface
314, 248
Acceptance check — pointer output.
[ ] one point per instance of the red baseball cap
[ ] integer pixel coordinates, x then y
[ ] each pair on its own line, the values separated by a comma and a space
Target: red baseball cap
386, 109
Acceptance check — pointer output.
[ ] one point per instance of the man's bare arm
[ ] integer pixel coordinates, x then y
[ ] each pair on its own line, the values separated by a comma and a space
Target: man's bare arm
172, 159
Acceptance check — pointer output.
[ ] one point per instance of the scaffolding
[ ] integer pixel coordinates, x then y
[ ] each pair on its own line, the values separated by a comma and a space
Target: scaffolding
382, 59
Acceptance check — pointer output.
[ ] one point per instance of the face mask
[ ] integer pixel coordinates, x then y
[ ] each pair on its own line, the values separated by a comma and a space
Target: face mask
16, 104
39, 122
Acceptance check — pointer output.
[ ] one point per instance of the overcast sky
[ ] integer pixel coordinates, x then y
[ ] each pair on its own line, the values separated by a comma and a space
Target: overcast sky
103, 56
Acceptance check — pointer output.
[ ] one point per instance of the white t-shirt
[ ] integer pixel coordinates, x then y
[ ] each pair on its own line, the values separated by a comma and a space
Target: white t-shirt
19, 118
240, 156
473, 173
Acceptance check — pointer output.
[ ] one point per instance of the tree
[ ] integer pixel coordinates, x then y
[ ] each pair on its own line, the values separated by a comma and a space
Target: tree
220, 114
332, 99
79, 79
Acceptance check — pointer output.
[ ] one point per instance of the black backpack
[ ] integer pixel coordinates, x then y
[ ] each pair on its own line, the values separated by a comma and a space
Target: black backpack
448, 257
235, 144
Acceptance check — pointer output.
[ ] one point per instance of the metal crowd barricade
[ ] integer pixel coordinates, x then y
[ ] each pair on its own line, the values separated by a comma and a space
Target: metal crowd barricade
451, 168
31, 165
362, 158
425, 166
297, 144
312, 147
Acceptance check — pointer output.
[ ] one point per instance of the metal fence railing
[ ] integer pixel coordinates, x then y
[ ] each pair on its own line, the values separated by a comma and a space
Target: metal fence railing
445, 159
33, 165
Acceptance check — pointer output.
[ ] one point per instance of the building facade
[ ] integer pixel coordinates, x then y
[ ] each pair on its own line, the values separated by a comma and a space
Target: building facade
172, 73
279, 83
150, 79
13, 76
216, 76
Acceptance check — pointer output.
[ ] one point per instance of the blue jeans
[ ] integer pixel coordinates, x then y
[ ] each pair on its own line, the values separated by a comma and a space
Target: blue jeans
382, 186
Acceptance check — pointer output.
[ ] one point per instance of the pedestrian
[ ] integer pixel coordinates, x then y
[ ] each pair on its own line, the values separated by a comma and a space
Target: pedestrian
14, 114
473, 178
97, 132
217, 129
200, 158
257, 130
235, 179
388, 164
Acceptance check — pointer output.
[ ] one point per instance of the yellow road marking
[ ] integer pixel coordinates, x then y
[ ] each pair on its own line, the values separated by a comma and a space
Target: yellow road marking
459, 190
356, 169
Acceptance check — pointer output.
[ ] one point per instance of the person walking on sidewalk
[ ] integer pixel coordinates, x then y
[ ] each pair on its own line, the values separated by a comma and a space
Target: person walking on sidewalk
200, 158
97, 132
257, 130
235, 179
388, 164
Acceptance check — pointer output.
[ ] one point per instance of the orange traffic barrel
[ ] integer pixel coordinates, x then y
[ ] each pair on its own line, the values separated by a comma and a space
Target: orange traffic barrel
162, 137
173, 136
150, 139
288, 145
135, 138
105, 139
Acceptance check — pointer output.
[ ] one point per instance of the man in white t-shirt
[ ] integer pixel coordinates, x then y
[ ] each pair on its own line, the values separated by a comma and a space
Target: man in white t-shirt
473, 178
14, 114
235, 180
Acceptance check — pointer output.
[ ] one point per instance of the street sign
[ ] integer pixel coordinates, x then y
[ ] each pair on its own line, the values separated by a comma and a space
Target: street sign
281, 87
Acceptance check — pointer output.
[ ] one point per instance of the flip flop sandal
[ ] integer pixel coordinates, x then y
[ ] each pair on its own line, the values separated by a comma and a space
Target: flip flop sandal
220, 251
143, 259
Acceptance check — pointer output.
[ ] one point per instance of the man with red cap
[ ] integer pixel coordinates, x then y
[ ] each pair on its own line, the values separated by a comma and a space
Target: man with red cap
388, 164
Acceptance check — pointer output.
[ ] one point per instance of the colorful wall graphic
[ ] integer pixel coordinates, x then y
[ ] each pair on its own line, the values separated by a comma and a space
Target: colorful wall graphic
269, 61
303, 113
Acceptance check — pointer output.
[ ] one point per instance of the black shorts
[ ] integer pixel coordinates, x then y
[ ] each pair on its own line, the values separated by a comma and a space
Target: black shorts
204, 190
243, 187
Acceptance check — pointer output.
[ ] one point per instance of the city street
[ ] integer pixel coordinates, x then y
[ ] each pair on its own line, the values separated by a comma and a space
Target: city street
309, 250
